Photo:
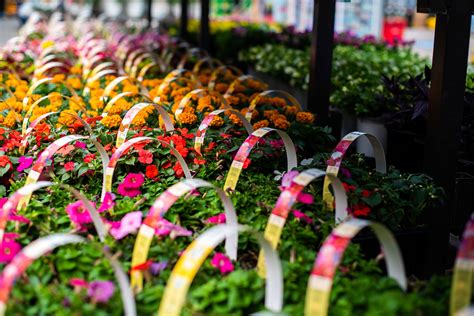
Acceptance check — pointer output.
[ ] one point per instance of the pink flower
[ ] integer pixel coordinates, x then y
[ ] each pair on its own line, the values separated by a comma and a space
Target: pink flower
217, 219
221, 262
128, 224
288, 178
9, 247
78, 213
76, 282
101, 291
305, 198
131, 183
24, 163
69, 166
276, 144
81, 145
108, 202
12, 216
166, 228
302, 216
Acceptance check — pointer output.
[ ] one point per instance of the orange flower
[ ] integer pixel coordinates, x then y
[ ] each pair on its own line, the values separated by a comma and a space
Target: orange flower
260, 124
221, 87
187, 118
305, 117
217, 121
291, 110
281, 123
235, 119
151, 171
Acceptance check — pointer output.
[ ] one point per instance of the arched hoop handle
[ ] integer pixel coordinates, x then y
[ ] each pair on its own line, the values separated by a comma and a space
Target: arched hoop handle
244, 151
161, 205
130, 115
49, 152
330, 256
196, 253
43, 246
289, 197
334, 163
202, 129
109, 171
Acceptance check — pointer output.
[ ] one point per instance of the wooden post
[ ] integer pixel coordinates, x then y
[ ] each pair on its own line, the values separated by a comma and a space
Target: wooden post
322, 39
204, 34
450, 58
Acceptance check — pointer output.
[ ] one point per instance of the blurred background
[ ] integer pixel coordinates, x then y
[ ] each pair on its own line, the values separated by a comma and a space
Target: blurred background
384, 19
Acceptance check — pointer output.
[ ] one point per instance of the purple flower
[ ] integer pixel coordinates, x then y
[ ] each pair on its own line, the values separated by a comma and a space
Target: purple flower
157, 267
101, 291
24, 163
128, 224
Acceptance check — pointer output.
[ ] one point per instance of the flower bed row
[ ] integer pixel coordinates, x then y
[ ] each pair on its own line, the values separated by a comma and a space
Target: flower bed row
80, 110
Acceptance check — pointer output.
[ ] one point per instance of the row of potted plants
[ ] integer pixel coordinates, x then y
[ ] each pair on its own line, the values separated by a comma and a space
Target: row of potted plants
51, 83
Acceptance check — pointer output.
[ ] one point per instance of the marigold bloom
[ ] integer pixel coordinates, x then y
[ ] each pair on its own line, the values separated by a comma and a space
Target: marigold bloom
187, 118
291, 110
235, 119
111, 121
305, 117
221, 87
281, 123
217, 121
260, 124
11, 119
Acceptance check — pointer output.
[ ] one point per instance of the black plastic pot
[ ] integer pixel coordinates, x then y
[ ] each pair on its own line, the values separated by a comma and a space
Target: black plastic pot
405, 150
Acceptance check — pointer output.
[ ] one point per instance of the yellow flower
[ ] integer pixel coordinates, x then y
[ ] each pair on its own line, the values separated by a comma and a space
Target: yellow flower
3, 106
140, 119
97, 93
76, 70
187, 118
111, 121
130, 88
74, 82
305, 117
66, 119
281, 123
260, 124
189, 109
204, 104
217, 121
96, 103
58, 78
11, 119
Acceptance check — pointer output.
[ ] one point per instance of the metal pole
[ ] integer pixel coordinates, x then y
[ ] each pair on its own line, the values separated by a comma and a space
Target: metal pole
183, 26
204, 36
322, 39
450, 58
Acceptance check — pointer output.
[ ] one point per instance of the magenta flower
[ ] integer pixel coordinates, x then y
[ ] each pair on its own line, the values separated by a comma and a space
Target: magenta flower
101, 291
9, 247
81, 145
277, 144
131, 184
222, 262
12, 216
78, 214
345, 172
166, 228
108, 202
305, 198
78, 283
24, 163
302, 216
217, 219
128, 224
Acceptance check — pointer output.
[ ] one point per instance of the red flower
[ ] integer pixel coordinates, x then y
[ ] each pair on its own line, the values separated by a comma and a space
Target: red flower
210, 146
199, 161
88, 158
178, 170
151, 171
366, 193
4, 161
166, 165
145, 156
225, 136
348, 187
69, 166
361, 210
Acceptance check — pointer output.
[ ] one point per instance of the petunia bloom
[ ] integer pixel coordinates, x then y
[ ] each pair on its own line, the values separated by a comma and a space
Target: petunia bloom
101, 291
302, 216
108, 202
24, 163
78, 213
305, 198
128, 224
9, 247
131, 184
145, 156
166, 228
217, 219
81, 145
222, 262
